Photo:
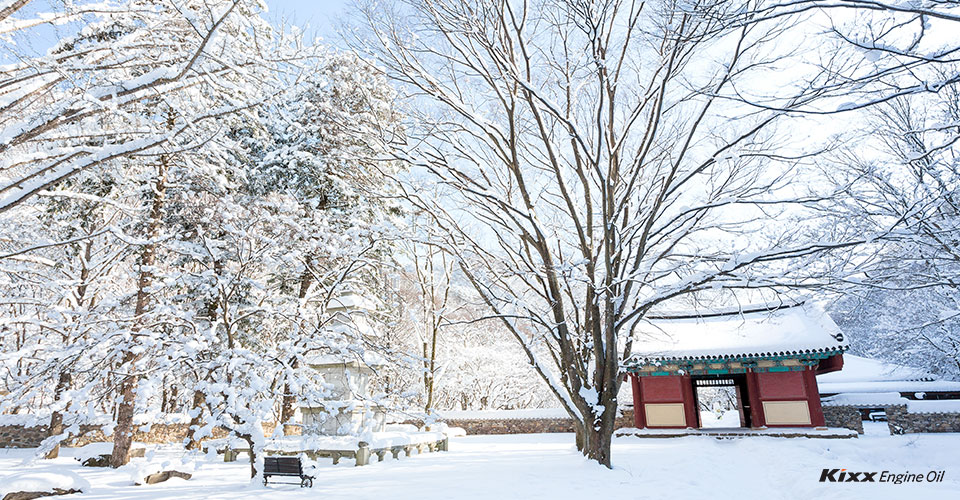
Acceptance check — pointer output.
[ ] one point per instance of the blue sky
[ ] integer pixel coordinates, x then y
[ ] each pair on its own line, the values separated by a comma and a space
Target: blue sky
321, 15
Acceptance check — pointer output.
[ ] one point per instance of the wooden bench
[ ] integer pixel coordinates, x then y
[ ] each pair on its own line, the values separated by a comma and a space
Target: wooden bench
285, 466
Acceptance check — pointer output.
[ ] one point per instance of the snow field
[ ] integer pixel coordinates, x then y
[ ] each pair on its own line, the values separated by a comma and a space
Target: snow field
533, 466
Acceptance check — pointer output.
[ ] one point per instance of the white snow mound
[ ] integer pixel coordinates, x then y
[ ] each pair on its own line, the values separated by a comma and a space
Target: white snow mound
42, 481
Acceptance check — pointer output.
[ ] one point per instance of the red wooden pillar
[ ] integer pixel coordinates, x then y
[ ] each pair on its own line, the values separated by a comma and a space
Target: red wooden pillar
756, 407
689, 402
639, 419
813, 397
740, 404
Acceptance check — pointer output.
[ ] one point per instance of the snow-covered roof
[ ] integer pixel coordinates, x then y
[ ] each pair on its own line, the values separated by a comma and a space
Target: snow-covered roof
873, 399
860, 369
889, 386
521, 414
367, 358
864, 375
351, 300
934, 406
865, 399
747, 333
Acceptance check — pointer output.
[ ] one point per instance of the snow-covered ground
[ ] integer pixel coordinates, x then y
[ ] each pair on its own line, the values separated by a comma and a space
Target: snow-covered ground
532, 466
710, 420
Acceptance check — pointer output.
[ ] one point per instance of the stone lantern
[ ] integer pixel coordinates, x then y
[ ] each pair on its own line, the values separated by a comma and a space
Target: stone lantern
348, 410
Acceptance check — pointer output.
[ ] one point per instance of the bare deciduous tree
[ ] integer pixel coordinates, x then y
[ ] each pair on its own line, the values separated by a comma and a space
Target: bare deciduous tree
433, 272
886, 49
907, 166
595, 159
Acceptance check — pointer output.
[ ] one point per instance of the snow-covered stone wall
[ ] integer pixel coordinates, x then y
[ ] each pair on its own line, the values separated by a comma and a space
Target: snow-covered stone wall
910, 418
508, 423
902, 421
27, 436
847, 417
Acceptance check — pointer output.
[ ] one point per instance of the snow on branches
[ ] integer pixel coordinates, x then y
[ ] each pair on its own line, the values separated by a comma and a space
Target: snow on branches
186, 189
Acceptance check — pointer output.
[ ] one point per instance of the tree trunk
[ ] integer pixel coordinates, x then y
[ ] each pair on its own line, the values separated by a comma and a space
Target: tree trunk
123, 432
578, 430
163, 395
56, 419
597, 445
253, 454
198, 401
431, 367
288, 404
288, 407
65, 379
594, 440
173, 399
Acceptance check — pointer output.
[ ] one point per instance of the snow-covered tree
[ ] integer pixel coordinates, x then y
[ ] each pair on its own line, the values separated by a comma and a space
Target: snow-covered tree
596, 159
884, 50
449, 359
119, 56
906, 167
200, 187
78, 246
324, 156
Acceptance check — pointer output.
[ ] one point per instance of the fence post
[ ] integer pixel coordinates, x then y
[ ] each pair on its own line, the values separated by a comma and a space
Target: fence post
363, 454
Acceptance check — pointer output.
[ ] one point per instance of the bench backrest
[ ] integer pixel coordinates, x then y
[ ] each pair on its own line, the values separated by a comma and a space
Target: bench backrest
281, 465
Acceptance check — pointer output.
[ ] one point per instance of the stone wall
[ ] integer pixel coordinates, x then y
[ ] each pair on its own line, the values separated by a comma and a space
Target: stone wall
847, 417
899, 420
902, 422
513, 425
19, 436
523, 425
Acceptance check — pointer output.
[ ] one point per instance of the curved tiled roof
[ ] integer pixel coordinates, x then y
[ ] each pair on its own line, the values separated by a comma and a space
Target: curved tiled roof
791, 331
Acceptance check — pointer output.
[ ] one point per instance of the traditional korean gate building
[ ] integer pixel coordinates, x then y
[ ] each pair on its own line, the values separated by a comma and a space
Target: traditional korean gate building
770, 355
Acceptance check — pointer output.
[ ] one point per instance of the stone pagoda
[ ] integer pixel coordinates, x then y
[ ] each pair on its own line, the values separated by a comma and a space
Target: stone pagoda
349, 410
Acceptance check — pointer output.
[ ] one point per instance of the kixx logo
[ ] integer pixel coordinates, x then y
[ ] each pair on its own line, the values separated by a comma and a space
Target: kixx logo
842, 476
